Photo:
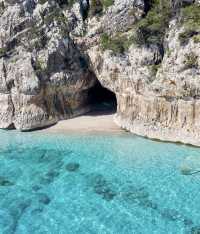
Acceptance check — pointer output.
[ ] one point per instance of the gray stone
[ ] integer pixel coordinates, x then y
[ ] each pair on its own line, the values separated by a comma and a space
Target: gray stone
53, 57
5, 182
195, 230
43, 198
72, 167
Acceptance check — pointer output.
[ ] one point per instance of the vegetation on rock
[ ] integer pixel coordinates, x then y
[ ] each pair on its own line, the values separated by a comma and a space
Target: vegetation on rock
191, 61
107, 3
118, 44
39, 66
190, 19
42, 1
196, 38
3, 51
97, 6
151, 29
2, 7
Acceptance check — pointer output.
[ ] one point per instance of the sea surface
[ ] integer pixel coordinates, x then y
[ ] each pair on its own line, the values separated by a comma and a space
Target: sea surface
112, 184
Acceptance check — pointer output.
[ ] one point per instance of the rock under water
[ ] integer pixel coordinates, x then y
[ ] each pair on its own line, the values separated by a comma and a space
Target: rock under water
190, 166
72, 167
5, 182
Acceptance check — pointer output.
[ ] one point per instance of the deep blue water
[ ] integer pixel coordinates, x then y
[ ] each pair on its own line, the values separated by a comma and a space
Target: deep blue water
119, 184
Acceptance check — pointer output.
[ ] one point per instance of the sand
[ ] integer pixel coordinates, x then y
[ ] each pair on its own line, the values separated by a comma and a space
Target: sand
91, 122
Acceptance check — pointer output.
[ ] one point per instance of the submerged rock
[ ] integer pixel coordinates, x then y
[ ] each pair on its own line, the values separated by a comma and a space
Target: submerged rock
187, 221
131, 194
51, 155
195, 230
52, 174
5, 182
6, 221
171, 214
17, 208
72, 167
43, 198
46, 179
175, 215
35, 188
105, 191
37, 211
190, 166
145, 202
138, 194
102, 187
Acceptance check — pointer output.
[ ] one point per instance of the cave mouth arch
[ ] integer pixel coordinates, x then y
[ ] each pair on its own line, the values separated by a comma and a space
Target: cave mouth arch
102, 99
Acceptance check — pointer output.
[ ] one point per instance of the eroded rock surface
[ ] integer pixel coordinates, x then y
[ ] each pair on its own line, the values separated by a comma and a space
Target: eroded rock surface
156, 82
43, 75
52, 52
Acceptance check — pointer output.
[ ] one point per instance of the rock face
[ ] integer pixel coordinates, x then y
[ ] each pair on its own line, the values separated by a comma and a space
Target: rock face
146, 53
43, 75
157, 85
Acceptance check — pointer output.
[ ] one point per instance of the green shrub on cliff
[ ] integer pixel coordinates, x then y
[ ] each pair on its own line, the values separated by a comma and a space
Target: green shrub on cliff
191, 61
39, 66
3, 51
151, 29
118, 44
36, 38
190, 19
185, 36
70, 2
42, 1
97, 6
55, 15
196, 38
108, 43
107, 3
154, 69
190, 16
2, 7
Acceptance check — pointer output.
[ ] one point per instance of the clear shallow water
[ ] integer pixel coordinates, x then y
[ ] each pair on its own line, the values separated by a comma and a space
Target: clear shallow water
95, 184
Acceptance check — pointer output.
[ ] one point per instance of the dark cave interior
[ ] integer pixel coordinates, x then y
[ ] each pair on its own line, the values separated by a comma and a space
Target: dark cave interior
102, 99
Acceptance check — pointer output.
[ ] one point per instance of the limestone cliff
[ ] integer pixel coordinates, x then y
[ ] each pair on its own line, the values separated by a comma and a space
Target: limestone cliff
43, 75
146, 52
154, 70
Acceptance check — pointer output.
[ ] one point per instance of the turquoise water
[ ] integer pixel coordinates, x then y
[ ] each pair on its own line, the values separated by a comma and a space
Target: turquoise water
95, 184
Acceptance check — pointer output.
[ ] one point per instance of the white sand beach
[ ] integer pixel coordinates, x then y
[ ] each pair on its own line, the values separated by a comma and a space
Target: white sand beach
91, 122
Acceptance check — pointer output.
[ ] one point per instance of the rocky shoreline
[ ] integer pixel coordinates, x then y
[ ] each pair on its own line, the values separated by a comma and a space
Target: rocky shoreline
52, 53
155, 133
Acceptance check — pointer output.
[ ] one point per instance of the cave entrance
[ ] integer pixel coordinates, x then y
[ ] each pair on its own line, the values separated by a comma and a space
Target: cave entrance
102, 100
